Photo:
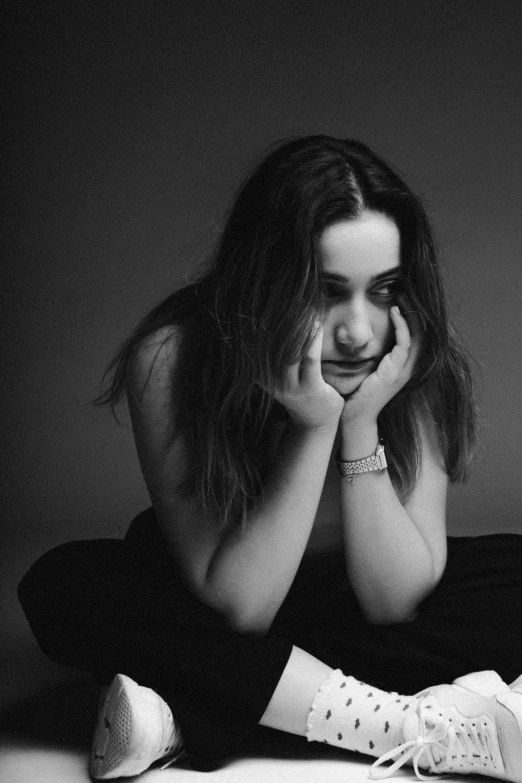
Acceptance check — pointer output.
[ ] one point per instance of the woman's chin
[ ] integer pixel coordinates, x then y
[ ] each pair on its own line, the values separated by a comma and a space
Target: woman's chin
344, 386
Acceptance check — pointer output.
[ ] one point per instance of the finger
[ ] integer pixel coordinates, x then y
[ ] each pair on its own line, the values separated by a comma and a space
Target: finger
409, 342
412, 317
316, 346
288, 381
402, 332
395, 362
311, 362
416, 327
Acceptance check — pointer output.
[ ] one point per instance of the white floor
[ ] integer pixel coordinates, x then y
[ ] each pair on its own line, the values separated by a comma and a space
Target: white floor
21, 763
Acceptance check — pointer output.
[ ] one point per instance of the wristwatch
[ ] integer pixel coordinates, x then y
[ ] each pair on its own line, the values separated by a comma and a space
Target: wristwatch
349, 470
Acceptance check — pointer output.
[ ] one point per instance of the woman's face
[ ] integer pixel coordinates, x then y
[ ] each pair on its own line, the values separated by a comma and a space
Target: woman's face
361, 270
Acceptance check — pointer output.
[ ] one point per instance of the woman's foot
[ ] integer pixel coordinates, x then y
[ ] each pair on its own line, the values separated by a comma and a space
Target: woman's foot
471, 727
135, 728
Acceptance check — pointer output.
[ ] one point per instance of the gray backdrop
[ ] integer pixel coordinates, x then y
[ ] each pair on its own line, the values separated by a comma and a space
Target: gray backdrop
130, 125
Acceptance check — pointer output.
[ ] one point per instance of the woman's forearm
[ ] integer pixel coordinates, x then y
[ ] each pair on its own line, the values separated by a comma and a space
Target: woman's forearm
252, 569
390, 564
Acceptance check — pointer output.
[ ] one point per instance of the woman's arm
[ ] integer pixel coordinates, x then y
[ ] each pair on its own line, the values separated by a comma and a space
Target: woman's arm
245, 574
395, 554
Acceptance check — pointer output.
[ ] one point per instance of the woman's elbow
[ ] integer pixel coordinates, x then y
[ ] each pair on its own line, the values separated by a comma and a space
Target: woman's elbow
242, 616
389, 615
245, 622
400, 607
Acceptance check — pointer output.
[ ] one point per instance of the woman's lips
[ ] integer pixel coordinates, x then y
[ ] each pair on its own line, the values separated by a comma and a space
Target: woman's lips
352, 367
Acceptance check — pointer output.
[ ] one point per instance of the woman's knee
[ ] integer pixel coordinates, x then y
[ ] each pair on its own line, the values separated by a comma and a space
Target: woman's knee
64, 574
61, 588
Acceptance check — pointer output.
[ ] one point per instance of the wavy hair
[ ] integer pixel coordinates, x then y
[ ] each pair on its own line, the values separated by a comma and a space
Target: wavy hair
253, 312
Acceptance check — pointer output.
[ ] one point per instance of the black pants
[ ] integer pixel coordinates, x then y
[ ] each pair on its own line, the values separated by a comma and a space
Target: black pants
108, 606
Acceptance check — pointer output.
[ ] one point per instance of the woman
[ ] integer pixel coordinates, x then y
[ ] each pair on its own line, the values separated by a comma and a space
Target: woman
298, 412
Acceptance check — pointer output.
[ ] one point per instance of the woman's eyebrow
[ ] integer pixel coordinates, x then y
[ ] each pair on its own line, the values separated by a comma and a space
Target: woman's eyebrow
335, 277
395, 271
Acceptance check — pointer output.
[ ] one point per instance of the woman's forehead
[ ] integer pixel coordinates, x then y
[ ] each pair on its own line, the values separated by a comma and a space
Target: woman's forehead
369, 245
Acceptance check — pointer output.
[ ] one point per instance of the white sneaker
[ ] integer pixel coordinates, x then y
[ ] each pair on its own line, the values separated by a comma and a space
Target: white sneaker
516, 684
471, 727
135, 728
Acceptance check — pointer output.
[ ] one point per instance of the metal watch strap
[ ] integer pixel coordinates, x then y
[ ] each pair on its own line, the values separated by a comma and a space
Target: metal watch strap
349, 470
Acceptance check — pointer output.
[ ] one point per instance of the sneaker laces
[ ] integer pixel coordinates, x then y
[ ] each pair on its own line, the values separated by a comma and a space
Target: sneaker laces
446, 742
176, 757
175, 751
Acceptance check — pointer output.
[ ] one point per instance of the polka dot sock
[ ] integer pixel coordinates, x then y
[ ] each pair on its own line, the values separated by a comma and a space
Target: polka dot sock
347, 713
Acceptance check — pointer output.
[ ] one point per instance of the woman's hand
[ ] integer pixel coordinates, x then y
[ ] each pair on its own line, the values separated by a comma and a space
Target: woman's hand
394, 370
311, 403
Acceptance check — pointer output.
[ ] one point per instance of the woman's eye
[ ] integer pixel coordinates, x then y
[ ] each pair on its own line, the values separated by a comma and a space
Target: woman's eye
334, 292
385, 292
388, 291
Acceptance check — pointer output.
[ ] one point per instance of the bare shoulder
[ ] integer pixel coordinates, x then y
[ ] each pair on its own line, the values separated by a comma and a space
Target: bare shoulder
154, 359
149, 391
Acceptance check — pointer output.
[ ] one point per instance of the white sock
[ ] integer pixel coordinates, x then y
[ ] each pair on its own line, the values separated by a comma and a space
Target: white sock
355, 716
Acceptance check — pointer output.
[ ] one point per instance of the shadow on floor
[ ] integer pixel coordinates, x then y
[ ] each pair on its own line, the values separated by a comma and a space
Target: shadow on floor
62, 715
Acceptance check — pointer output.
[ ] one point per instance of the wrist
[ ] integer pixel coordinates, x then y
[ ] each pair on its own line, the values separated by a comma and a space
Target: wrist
358, 441
302, 429
349, 469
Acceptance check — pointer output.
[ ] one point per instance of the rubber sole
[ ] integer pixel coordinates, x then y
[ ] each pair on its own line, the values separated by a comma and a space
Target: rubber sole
113, 733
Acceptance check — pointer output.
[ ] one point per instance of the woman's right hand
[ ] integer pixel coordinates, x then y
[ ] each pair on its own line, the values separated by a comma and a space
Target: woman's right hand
310, 402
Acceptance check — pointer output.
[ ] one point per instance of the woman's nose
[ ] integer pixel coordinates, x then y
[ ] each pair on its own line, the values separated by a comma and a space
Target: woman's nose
353, 330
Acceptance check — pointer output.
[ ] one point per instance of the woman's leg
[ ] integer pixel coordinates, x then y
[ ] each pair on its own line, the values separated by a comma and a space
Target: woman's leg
289, 707
66, 596
94, 606
471, 622
91, 612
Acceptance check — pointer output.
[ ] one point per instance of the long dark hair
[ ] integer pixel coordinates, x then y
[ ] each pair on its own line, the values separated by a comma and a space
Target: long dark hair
253, 312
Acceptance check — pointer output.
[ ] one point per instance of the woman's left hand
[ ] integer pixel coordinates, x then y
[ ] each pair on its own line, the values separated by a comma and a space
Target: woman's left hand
394, 370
